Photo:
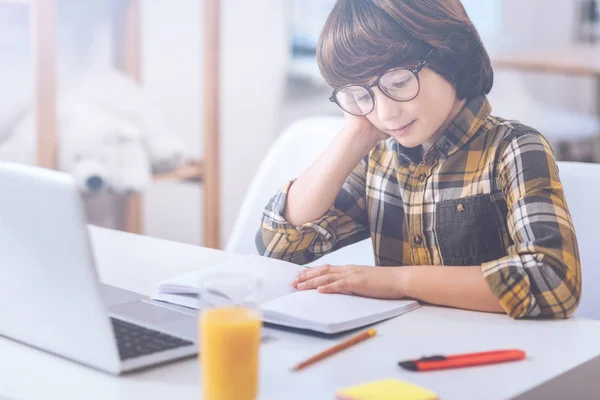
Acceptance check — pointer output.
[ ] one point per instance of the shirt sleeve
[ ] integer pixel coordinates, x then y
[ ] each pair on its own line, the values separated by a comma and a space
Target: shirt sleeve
541, 275
346, 222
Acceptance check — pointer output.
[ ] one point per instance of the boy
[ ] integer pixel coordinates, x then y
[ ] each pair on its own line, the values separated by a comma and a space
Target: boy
464, 209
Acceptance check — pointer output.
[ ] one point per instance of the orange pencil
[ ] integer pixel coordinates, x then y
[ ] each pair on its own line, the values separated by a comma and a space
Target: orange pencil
336, 349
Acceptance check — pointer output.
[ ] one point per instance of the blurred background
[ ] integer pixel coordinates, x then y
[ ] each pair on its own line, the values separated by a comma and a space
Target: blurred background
126, 99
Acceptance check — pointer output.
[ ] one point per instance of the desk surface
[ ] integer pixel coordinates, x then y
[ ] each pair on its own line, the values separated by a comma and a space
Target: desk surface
138, 263
574, 60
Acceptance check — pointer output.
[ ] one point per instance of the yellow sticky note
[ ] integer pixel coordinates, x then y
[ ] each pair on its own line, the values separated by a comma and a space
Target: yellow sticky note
386, 389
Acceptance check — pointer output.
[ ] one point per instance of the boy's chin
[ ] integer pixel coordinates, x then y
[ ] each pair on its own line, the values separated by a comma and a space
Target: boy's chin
408, 142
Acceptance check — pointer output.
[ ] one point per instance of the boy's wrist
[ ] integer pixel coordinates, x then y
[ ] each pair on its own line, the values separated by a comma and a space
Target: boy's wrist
360, 142
403, 277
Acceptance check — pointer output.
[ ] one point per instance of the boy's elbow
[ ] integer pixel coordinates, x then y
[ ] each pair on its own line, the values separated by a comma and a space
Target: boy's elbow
567, 295
559, 302
281, 246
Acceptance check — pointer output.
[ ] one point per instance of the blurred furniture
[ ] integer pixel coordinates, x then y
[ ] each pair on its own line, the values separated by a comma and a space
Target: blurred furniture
293, 151
43, 20
139, 262
582, 60
563, 128
560, 126
307, 20
306, 69
509, 97
582, 195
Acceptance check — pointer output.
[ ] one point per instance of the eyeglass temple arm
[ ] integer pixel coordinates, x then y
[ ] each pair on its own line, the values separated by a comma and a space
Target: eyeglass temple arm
420, 66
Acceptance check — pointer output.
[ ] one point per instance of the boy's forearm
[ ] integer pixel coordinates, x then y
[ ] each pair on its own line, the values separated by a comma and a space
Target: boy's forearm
460, 287
315, 190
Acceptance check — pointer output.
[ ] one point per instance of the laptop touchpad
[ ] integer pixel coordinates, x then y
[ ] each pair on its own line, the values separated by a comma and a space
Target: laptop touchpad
113, 295
146, 313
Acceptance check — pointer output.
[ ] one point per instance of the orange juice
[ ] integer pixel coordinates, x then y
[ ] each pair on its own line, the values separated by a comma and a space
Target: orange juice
229, 346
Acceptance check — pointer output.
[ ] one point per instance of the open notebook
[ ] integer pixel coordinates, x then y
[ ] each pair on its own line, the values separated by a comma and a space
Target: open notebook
281, 304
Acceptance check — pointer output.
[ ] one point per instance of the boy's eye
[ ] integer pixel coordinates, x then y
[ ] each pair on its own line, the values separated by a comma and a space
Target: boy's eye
401, 84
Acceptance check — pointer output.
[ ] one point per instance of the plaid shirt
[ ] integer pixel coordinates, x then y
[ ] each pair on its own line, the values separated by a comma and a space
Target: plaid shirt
487, 193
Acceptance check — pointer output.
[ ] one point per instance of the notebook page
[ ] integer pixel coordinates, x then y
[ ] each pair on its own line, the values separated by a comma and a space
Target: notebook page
275, 276
337, 311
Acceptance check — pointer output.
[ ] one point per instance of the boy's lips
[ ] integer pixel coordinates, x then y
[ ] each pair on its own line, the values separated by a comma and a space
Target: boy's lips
400, 130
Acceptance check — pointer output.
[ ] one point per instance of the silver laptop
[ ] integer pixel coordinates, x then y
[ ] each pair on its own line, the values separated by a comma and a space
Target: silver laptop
49, 290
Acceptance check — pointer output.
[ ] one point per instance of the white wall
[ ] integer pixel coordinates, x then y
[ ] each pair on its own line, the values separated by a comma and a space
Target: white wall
254, 55
172, 72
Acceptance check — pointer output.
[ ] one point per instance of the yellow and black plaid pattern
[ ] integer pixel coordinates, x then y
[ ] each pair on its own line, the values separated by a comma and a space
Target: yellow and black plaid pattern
487, 193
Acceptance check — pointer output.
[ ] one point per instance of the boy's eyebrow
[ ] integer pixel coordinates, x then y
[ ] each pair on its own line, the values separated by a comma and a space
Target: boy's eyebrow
369, 82
390, 65
407, 65
361, 82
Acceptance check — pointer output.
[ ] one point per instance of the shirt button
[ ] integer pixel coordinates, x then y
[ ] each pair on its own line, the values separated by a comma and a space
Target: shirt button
460, 207
423, 177
447, 146
418, 239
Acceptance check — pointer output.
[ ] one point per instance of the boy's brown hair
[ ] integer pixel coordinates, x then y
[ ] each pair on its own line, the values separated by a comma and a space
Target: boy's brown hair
364, 38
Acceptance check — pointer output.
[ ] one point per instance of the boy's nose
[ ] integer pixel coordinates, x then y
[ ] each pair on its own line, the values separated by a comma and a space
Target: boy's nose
386, 108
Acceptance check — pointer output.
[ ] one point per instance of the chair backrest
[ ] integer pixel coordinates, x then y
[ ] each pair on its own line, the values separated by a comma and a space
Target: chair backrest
293, 151
582, 197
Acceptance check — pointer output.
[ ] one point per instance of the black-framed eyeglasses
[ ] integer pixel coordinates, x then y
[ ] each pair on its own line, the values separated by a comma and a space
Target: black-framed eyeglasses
399, 84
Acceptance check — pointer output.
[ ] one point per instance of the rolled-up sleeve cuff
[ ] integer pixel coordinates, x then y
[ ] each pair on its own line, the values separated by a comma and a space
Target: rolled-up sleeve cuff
508, 281
273, 219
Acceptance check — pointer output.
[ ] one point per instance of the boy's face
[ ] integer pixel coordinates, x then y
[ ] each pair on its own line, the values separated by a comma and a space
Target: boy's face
421, 120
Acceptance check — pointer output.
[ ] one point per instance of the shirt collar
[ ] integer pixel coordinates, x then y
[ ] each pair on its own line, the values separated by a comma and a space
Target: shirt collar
464, 126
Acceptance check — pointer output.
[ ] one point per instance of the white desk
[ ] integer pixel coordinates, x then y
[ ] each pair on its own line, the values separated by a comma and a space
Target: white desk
138, 263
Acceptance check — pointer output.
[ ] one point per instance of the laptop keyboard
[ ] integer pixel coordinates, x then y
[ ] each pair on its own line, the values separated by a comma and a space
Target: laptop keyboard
134, 340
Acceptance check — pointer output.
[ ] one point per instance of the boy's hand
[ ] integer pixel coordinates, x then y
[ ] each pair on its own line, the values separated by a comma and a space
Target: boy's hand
363, 129
378, 282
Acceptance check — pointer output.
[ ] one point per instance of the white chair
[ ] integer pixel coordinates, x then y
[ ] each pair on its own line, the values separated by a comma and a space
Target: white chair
293, 151
582, 190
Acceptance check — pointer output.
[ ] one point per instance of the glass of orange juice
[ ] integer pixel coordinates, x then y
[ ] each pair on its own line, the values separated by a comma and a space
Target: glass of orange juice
230, 332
